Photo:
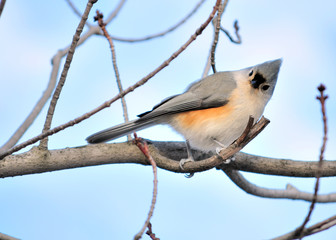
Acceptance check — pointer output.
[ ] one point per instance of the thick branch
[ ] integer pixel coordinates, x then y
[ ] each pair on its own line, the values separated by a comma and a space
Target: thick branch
166, 155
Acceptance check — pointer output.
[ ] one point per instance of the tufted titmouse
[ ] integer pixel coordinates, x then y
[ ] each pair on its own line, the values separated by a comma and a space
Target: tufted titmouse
213, 112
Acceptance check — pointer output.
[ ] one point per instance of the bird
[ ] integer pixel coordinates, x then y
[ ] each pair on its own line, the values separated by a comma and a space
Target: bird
212, 113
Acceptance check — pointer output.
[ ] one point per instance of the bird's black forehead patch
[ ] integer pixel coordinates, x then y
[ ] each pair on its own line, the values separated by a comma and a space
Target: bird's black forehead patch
257, 80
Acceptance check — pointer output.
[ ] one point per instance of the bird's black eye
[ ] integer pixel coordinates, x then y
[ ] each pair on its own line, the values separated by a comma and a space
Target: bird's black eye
265, 87
257, 80
251, 73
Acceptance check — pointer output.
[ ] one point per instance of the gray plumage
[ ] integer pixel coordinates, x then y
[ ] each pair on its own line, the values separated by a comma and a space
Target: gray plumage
218, 88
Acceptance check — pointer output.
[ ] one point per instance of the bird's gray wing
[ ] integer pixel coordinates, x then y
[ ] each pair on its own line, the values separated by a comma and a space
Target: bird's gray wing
212, 91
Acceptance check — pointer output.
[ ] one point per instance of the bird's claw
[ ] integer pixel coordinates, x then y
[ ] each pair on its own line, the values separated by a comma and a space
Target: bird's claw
184, 161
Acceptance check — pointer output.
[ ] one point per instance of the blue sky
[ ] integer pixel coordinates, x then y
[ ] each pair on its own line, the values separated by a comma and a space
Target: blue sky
111, 202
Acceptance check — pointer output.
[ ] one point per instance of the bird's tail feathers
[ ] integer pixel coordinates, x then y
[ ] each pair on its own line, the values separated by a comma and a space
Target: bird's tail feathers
119, 131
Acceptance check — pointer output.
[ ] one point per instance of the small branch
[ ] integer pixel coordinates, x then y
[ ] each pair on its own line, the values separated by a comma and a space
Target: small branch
115, 12
2, 5
99, 18
217, 22
52, 106
109, 102
163, 33
316, 228
6, 237
76, 11
37, 108
322, 99
289, 193
236, 27
142, 145
150, 232
244, 135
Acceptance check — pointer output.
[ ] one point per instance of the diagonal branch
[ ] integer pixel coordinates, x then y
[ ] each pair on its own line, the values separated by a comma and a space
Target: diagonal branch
316, 228
38, 107
6, 237
76, 11
52, 106
99, 18
2, 6
47, 93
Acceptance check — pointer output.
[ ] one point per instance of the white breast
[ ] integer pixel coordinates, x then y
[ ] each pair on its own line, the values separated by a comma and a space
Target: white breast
227, 124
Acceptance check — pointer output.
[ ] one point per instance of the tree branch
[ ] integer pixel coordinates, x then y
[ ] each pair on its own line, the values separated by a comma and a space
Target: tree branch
47, 93
76, 11
2, 6
6, 237
142, 145
316, 228
216, 22
115, 11
160, 34
99, 18
52, 106
236, 27
37, 108
289, 193
322, 99
167, 155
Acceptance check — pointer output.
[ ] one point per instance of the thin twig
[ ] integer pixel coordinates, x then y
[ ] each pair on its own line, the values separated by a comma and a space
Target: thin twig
56, 60
316, 228
37, 108
217, 22
76, 11
99, 18
322, 99
211, 52
75, 39
236, 27
109, 102
150, 232
249, 125
115, 11
2, 5
142, 145
160, 34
